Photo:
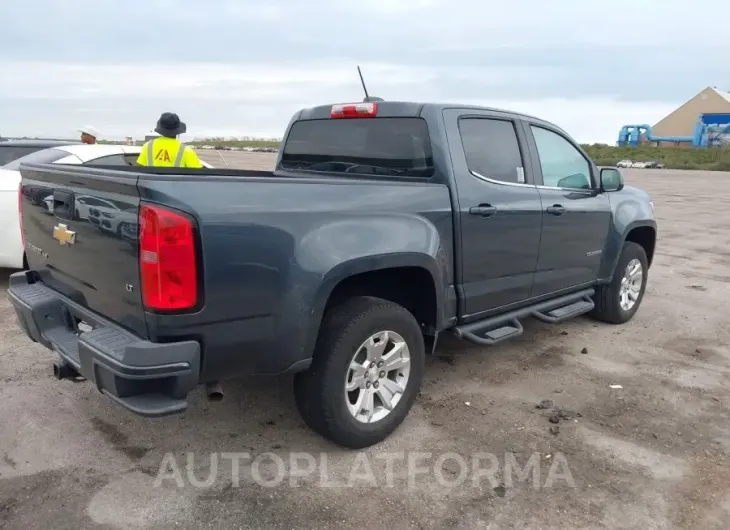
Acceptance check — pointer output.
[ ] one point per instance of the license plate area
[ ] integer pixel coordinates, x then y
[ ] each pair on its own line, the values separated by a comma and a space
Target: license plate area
83, 327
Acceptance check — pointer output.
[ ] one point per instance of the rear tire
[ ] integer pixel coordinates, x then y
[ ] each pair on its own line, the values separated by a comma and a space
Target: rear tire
324, 391
618, 301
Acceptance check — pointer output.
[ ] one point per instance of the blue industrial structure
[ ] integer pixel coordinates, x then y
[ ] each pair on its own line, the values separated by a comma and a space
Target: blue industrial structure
710, 130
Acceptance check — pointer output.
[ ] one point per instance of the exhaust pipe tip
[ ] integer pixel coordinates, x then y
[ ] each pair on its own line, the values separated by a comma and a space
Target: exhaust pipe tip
214, 391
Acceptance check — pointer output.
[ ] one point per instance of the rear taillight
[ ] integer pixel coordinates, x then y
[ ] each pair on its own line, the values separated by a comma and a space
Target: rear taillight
354, 110
20, 214
167, 259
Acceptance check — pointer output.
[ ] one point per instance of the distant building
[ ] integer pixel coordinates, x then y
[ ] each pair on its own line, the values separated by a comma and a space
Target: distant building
682, 121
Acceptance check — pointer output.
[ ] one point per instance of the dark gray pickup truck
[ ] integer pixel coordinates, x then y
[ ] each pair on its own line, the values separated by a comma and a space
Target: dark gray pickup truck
383, 225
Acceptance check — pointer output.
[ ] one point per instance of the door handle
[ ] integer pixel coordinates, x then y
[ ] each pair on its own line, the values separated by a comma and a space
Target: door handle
556, 209
483, 210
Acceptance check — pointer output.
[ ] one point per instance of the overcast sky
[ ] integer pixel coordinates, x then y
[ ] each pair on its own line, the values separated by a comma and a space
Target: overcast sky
241, 68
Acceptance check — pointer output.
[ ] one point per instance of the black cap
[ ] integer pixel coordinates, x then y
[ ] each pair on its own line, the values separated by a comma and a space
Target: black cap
170, 125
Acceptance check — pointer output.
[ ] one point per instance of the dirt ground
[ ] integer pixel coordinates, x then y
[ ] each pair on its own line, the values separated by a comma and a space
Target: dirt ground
652, 454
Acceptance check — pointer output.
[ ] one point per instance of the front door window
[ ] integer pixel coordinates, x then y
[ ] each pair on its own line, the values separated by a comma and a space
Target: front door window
563, 166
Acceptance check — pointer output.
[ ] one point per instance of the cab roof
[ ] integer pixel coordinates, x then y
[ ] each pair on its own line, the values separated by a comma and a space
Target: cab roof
404, 109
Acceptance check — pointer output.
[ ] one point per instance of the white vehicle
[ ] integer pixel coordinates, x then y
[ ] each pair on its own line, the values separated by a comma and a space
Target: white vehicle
638, 165
624, 163
103, 214
109, 216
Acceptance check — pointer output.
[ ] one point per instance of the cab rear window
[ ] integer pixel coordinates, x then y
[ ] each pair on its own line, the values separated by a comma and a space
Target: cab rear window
398, 147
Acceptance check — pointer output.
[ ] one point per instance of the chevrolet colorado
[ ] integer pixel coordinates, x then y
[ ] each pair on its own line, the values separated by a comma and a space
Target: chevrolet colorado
383, 225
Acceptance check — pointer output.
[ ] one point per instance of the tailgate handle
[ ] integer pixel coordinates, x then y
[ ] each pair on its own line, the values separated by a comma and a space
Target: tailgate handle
63, 204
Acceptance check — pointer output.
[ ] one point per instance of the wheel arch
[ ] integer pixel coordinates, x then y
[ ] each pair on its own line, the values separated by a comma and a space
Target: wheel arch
645, 236
641, 232
412, 280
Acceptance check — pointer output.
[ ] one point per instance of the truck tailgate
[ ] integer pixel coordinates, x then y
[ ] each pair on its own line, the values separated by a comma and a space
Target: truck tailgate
80, 228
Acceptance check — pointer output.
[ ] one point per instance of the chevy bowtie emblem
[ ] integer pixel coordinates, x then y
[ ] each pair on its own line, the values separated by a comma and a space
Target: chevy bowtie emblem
64, 235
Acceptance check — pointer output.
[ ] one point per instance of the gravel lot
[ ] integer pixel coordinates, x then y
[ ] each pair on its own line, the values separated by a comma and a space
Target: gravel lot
238, 159
653, 454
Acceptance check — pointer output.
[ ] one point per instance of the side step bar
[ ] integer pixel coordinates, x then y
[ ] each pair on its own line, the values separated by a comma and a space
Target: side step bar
499, 328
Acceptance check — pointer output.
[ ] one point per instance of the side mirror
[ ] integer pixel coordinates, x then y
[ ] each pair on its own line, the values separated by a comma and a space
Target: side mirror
578, 182
611, 179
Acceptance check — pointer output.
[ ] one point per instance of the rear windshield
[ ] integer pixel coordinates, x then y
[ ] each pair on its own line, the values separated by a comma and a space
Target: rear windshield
368, 146
44, 156
8, 153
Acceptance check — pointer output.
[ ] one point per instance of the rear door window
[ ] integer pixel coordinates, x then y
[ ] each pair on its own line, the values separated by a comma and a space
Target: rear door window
398, 147
491, 149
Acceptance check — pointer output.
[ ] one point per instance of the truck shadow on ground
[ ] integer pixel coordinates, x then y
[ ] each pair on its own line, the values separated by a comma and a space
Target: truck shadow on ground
5, 277
259, 415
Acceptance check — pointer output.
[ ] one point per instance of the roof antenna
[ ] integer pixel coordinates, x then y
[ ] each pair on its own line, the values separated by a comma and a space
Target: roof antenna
365, 89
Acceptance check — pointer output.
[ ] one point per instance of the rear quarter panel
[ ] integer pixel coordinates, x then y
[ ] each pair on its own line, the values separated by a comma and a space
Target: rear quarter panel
274, 248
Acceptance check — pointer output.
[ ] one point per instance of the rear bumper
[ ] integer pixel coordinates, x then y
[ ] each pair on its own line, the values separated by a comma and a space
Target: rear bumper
147, 378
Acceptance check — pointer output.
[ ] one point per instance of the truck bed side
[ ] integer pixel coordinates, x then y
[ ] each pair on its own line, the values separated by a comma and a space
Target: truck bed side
275, 248
272, 249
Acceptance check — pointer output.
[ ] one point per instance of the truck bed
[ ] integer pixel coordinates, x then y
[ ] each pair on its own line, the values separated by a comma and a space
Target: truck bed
270, 246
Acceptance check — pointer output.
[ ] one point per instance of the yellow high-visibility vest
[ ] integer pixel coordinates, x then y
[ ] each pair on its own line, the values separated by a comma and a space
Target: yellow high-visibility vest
168, 152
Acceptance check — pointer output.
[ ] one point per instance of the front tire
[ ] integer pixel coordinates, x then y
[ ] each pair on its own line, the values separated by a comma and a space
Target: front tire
366, 372
618, 301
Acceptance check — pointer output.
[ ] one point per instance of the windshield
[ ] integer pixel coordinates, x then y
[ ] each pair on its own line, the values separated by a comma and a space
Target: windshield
8, 153
44, 156
372, 146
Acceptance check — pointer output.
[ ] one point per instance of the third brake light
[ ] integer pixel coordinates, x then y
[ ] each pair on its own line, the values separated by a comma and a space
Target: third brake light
354, 110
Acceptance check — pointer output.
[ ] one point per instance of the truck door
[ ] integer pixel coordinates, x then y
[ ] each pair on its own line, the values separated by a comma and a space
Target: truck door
499, 209
576, 215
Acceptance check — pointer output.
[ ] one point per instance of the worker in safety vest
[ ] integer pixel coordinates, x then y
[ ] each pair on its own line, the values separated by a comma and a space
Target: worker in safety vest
167, 150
